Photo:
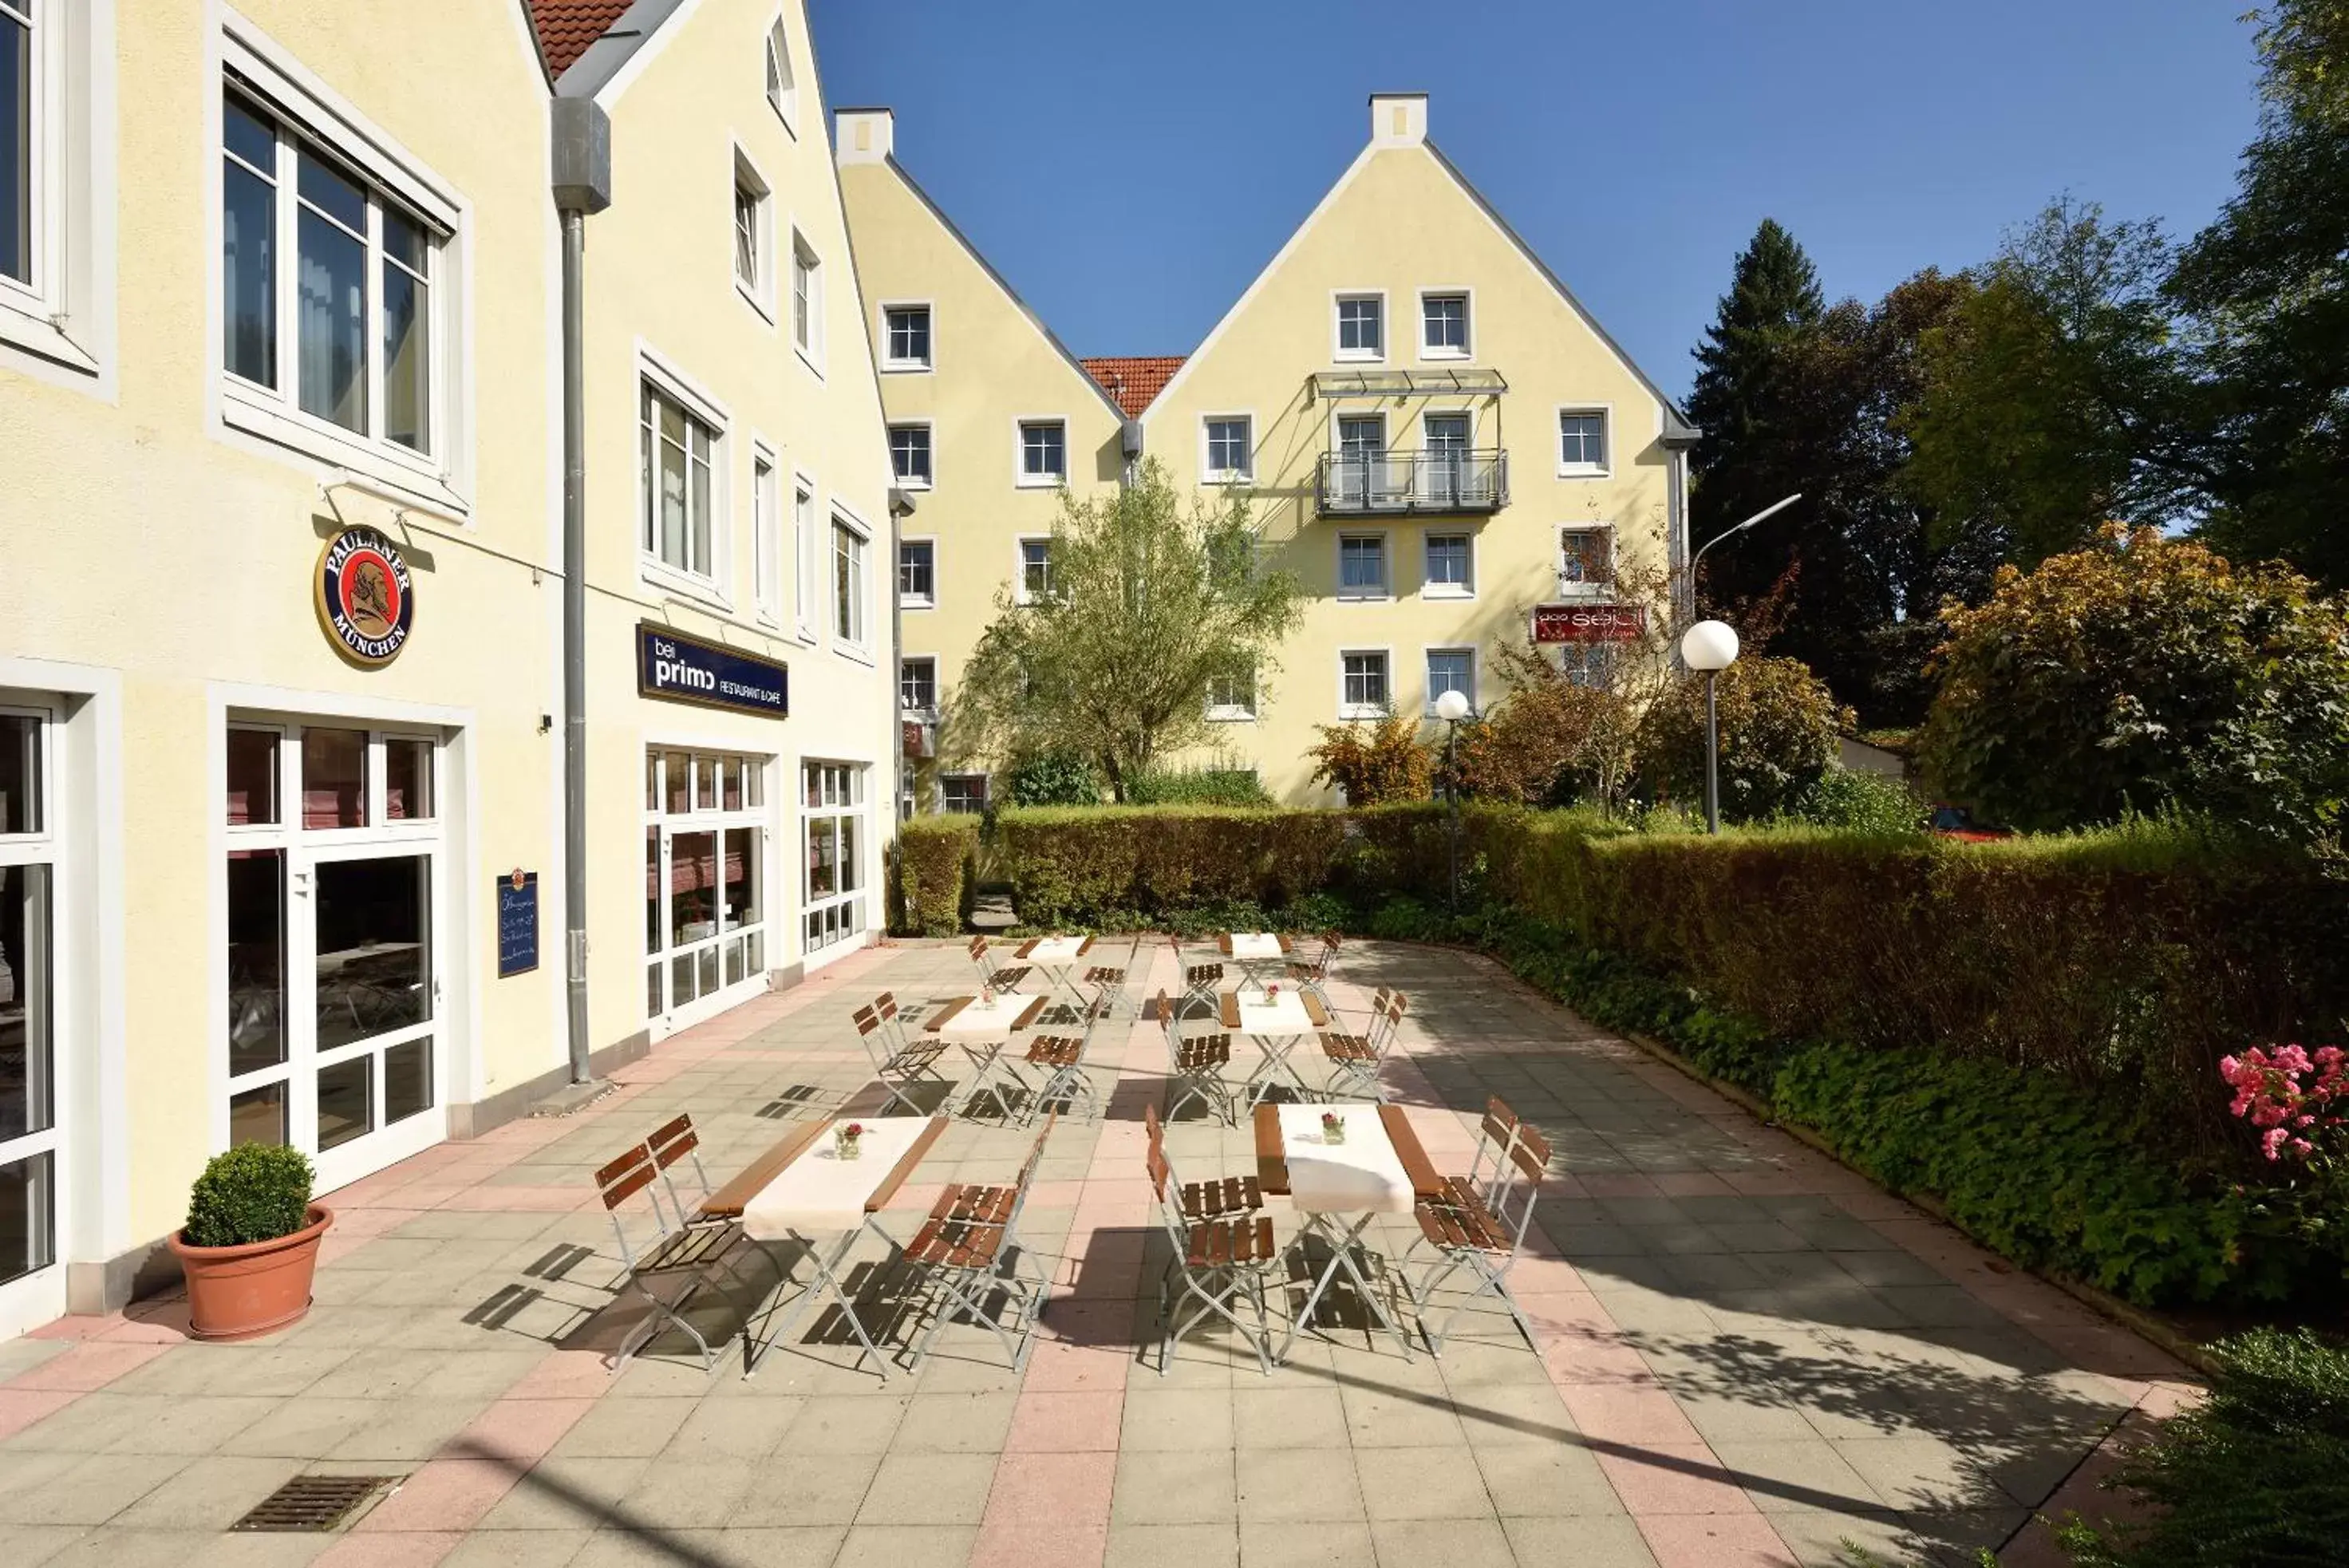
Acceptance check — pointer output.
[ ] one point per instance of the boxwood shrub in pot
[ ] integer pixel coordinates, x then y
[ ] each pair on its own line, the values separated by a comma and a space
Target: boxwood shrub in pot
250, 1246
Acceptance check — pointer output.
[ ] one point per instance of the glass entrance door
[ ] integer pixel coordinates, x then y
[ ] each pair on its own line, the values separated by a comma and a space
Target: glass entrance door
705, 883
32, 1287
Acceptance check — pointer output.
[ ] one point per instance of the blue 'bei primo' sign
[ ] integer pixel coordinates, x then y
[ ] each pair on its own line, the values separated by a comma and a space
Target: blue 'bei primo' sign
684, 670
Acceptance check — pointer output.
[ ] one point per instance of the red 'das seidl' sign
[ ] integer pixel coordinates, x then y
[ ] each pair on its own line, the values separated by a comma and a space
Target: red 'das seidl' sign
1589, 623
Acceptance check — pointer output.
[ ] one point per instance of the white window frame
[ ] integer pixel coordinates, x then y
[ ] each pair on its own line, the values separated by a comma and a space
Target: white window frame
930, 451
758, 289
1237, 713
1348, 709
931, 710
1211, 475
766, 532
1606, 412
439, 480
807, 281
856, 642
1599, 591
703, 816
918, 601
1342, 355
1020, 542
986, 787
808, 540
1427, 673
38, 1294
1020, 478
1429, 588
892, 366
59, 325
650, 568
856, 803
1467, 349
785, 100
1385, 590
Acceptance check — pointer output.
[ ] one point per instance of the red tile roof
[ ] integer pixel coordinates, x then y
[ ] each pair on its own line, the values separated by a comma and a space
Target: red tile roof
565, 27
1132, 382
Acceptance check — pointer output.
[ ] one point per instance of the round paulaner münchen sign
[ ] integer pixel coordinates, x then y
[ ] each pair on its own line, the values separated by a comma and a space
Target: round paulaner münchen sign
367, 601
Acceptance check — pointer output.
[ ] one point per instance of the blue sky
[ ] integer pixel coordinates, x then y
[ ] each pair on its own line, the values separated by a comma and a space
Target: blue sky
1130, 168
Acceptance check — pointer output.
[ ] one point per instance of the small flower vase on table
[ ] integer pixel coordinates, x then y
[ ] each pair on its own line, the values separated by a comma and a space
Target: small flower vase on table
847, 1142
1333, 1127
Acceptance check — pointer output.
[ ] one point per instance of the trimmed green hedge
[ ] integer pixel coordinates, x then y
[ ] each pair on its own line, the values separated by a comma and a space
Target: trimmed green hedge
934, 859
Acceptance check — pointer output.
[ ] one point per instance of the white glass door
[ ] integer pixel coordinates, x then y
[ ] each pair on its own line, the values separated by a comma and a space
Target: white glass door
32, 1286
832, 887
705, 883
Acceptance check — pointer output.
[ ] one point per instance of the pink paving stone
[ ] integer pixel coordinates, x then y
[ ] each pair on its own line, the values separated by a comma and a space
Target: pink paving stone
1066, 1422
1023, 1544
1640, 1417
924, 1195
1714, 1541
564, 1375
92, 1364
1056, 1194
1672, 1478
162, 1321
1565, 1312
1057, 1368
519, 1431
1693, 1184
1607, 1184
1062, 1489
422, 1549
1594, 1359
1768, 1183
20, 1408
76, 1326
446, 1494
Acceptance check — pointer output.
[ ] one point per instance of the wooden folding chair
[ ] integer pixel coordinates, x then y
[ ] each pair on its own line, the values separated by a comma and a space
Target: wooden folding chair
1314, 974
1006, 978
1218, 1261
1061, 1058
901, 1064
962, 1249
1197, 1065
1479, 1223
1355, 1059
1201, 982
668, 1268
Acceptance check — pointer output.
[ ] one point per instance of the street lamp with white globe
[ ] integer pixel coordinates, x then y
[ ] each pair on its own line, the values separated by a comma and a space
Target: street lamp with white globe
1711, 645
1452, 706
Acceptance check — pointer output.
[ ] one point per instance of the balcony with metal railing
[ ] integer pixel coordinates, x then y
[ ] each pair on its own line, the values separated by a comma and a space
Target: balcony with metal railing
1385, 484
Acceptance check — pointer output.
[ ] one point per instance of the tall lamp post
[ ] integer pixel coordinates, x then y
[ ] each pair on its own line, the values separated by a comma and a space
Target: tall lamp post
1452, 707
1770, 511
1711, 645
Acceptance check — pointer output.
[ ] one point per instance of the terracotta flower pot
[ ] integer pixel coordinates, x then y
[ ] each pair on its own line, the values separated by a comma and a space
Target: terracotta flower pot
237, 1292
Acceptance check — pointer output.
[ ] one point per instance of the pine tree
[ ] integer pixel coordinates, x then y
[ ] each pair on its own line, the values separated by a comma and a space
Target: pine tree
1773, 300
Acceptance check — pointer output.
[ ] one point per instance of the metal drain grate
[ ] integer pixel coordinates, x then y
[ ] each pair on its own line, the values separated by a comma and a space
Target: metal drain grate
313, 1502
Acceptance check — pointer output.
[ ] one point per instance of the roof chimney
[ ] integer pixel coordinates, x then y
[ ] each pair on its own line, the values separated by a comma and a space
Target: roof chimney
1398, 119
863, 135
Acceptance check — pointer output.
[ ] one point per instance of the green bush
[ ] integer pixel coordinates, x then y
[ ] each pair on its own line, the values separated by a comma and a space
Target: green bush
1197, 786
2252, 1478
1053, 778
934, 860
1777, 737
1867, 803
253, 1192
1099, 867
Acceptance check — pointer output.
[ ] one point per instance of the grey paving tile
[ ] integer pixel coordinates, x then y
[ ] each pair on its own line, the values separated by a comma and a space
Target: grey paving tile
1423, 1483
1454, 1543
1265, 1544
1523, 1480
1298, 1485
1172, 1546
808, 1487
1587, 1541
906, 1546
1191, 1486
929, 1488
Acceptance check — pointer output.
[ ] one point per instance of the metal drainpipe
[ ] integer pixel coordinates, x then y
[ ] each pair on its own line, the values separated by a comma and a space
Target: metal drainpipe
581, 180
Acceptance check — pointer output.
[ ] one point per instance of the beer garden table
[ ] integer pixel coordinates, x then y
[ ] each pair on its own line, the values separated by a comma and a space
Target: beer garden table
1378, 1168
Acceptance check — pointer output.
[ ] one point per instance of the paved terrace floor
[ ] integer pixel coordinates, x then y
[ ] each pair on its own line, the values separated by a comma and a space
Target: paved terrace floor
1748, 1355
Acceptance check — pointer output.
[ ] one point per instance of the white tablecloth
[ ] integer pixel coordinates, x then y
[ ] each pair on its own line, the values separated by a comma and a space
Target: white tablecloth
1256, 947
987, 1020
1056, 949
1285, 1014
819, 1191
1361, 1174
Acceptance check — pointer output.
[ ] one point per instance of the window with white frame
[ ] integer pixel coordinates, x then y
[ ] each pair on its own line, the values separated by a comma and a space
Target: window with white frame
678, 450
807, 298
848, 551
1361, 565
1035, 569
1230, 452
909, 455
1231, 693
1443, 325
1362, 690
917, 573
918, 685
708, 907
1586, 559
1362, 326
1590, 664
23, 47
56, 122
1451, 566
1043, 451
807, 553
832, 887
1451, 670
31, 851
782, 92
331, 287
1581, 442
963, 793
766, 542
753, 271
906, 337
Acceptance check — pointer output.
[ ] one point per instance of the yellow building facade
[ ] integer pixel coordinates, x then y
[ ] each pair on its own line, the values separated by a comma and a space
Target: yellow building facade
1435, 437
281, 651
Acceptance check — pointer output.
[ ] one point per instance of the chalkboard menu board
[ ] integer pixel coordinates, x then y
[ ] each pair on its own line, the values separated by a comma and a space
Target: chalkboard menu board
517, 923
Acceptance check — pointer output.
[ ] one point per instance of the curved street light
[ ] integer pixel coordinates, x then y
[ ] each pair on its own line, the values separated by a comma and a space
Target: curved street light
1770, 511
1711, 645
